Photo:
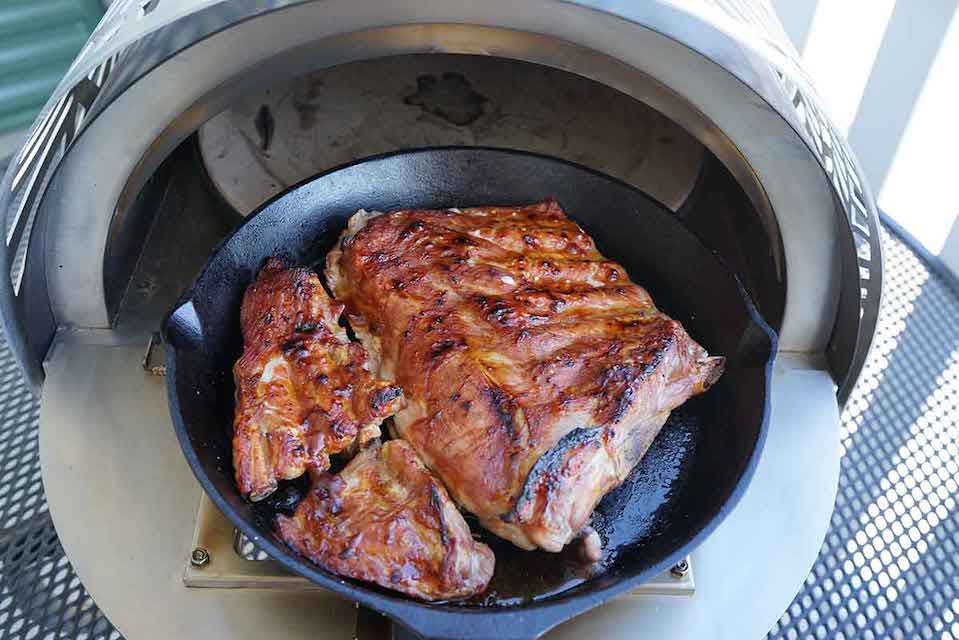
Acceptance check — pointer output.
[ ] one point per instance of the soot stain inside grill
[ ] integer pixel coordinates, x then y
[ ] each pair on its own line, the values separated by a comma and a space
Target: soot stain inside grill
306, 101
450, 97
265, 126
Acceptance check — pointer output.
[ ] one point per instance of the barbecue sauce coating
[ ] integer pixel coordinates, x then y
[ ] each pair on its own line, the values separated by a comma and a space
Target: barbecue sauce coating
536, 373
386, 519
303, 391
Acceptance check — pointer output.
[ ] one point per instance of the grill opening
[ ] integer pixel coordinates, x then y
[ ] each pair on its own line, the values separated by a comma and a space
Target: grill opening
277, 134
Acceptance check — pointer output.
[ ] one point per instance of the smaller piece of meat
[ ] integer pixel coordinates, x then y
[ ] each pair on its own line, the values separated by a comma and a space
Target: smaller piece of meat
303, 390
386, 519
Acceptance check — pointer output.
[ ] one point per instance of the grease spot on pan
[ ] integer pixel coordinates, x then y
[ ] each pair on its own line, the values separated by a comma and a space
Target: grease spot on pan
625, 518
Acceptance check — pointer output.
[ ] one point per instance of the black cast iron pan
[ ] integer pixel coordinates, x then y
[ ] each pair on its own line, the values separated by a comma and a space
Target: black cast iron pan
692, 476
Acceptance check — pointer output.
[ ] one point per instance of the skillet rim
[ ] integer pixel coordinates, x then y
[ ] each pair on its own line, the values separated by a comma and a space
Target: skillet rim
509, 621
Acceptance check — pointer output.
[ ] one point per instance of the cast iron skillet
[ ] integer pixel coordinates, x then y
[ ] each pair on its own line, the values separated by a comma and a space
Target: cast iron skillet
693, 474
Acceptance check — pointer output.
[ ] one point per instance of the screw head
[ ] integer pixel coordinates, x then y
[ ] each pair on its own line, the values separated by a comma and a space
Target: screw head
680, 569
199, 557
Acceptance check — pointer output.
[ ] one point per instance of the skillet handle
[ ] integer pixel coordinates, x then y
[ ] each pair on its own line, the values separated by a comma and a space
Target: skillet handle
422, 622
396, 631
182, 328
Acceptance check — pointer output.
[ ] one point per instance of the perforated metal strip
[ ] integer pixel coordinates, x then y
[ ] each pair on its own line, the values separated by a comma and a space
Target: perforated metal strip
889, 567
40, 595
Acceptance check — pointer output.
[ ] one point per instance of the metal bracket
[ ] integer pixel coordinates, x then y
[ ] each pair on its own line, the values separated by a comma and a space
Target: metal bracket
222, 558
153, 361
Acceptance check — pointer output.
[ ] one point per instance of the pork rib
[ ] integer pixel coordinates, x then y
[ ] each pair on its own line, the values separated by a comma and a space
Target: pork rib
536, 373
385, 519
303, 391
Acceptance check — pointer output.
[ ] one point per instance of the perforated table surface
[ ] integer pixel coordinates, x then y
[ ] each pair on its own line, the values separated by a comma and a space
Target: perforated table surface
888, 567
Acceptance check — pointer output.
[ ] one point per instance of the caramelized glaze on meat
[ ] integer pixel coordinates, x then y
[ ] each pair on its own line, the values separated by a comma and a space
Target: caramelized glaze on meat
386, 519
537, 373
303, 391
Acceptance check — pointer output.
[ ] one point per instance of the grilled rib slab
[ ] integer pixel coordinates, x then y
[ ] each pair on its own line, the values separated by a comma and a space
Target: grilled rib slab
303, 391
536, 373
386, 519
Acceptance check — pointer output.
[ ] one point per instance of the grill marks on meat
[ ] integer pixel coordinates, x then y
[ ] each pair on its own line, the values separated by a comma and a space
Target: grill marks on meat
303, 391
536, 373
386, 519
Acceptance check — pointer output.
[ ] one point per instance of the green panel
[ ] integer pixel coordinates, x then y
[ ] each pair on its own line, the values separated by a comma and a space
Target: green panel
10, 120
38, 41
57, 47
24, 16
29, 89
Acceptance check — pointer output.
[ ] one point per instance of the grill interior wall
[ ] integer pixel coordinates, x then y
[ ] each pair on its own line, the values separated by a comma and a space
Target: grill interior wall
280, 135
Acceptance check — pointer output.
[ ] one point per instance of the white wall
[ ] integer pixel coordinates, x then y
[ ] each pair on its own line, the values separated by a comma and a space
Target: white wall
888, 71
